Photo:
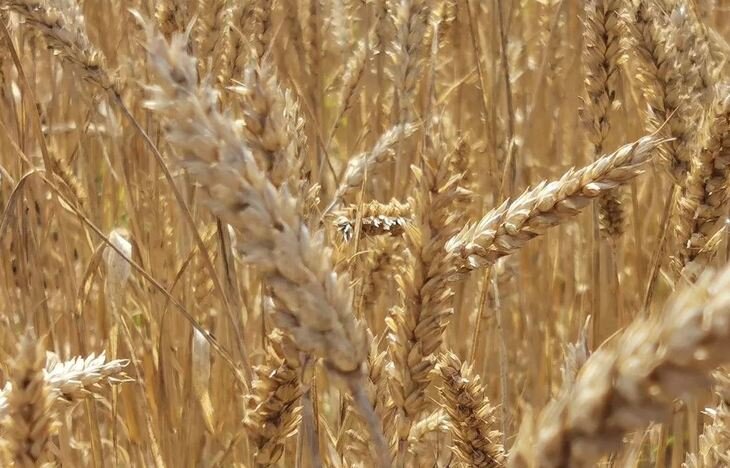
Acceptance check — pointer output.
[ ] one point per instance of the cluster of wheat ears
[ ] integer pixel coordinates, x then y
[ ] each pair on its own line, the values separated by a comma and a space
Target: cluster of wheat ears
295, 233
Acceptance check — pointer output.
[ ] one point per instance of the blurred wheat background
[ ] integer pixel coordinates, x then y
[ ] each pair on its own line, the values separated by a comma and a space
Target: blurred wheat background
294, 233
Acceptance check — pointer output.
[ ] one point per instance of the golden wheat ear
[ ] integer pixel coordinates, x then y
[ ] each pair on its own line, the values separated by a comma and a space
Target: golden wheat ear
477, 442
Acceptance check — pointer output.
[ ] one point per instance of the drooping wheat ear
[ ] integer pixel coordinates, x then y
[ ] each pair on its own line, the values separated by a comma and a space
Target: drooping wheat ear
634, 380
313, 303
370, 161
672, 72
714, 449
601, 55
704, 194
504, 230
273, 127
471, 417
272, 408
376, 219
211, 35
416, 328
410, 19
355, 445
65, 32
77, 378
29, 418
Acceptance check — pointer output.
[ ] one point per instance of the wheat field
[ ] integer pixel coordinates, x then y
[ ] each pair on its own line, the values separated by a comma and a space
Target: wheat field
364, 233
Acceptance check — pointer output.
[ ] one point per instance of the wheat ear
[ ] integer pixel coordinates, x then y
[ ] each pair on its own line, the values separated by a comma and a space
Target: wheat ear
471, 417
272, 408
714, 447
416, 328
76, 378
313, 303
601, 54
504, 230
272, 123
633, 380
29, 418
705, 192
671, 62
65, 32
376, 219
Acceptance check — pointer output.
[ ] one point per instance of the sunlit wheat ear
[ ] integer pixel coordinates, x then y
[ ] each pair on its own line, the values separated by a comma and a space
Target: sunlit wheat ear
504, 230
671, 59
634, 379
601, 57
28, 422
76, 378
704, 195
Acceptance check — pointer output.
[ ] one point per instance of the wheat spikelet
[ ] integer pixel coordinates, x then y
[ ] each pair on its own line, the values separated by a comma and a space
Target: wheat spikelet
471, 417
29, 418
601, 56
632, 381
506, 229
273, 411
